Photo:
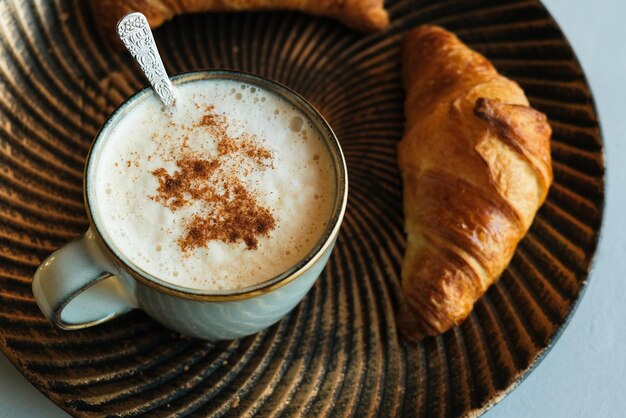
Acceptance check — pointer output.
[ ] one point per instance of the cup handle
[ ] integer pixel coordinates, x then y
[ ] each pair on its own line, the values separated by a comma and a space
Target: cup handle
75, 287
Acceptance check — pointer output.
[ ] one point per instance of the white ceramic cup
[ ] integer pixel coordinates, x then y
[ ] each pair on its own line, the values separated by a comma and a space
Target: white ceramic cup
88, 281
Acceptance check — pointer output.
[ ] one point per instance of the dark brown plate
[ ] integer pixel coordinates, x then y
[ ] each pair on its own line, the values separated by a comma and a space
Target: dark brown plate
337, 353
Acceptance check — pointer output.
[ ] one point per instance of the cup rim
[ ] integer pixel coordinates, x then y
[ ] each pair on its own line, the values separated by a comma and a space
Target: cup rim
320, 247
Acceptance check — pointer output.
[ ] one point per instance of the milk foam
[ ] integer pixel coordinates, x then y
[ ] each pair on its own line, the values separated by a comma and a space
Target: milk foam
298, 188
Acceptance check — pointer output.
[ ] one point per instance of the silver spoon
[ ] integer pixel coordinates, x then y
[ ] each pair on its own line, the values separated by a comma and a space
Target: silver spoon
134, 31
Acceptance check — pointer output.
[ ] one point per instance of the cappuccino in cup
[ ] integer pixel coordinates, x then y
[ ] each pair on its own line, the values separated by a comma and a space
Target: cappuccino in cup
229, 189
215, 217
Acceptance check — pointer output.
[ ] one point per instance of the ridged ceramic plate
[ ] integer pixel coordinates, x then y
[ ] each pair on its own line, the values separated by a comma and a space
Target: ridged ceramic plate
338, 353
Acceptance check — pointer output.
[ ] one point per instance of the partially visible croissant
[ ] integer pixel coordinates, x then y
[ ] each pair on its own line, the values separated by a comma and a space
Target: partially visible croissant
362, 15
475, 162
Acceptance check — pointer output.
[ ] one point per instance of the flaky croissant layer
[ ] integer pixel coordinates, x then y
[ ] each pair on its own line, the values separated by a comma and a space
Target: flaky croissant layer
475, 162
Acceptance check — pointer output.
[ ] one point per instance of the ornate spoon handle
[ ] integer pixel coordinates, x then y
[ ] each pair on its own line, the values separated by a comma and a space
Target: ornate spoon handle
134, 31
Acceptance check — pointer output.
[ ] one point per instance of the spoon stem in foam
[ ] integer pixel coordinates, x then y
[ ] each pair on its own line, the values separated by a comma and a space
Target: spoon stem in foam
134, 31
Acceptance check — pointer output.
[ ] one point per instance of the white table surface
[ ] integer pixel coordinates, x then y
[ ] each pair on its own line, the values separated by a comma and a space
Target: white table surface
584, 375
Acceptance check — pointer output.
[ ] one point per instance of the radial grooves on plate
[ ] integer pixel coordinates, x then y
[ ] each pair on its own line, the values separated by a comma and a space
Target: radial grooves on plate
540, 29
355, 380
15, 164
569, 226
560, 275
502, 23
467, 14
41, 160
573, 92
353, 376
376, 371
298, 373
86, 109
166, 390
520, 339
31, 97
572, 255
574, 205
502, 357
80, 358
24, 183
270, 397
371, 232
185, 53
242, 28
225, 365
118, 336
567, 255
338, 353
93, 381
11, 322
20, 239
155, 380
461, 392
57, 150
586, 163
583, 139
393, 229
310, 378
257, 388
552, 301
23, 221
28, 196
437, 368
17, 257
335, 357
528, 302
248, 377
481, 364
324, 345
92, 57
49, 213
586, 186
15, 281
59, 85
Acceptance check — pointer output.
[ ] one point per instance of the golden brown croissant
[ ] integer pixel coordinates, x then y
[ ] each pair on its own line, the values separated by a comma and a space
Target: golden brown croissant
362, 15
475, 162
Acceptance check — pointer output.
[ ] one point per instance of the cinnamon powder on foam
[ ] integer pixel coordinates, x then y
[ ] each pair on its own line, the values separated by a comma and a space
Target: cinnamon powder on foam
230, 212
